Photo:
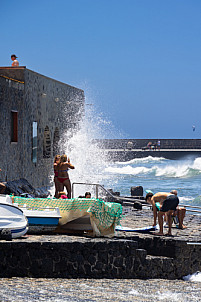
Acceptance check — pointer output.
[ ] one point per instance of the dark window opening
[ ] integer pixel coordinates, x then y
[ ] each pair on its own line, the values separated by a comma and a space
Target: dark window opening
56, 142
14, 126
46, 143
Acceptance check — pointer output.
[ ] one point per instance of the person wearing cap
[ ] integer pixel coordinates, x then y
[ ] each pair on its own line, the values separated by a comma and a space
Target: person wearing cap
15, 61
87, 195
168, 203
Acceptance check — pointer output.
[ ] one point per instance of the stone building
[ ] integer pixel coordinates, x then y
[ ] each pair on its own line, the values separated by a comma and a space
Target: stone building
35, 112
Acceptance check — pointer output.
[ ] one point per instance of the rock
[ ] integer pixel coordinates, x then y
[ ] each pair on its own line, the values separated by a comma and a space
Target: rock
137, 191
21, 187
6, 235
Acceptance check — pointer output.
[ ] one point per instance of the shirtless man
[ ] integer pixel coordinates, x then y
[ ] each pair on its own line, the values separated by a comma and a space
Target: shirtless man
168, 203
180, 213
15, 61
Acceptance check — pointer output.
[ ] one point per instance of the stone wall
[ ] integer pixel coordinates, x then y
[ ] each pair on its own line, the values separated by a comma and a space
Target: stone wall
97, 258
56, 107
186, 257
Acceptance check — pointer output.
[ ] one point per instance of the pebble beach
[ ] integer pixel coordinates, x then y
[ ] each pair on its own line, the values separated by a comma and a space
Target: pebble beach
85, 290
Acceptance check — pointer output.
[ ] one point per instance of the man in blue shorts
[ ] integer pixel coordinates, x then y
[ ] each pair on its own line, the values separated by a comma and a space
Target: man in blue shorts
168, 203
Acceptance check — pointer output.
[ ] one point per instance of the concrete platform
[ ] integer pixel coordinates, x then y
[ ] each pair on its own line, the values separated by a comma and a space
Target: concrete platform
127, 255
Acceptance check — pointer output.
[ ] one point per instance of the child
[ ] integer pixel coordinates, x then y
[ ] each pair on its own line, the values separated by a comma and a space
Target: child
62, 195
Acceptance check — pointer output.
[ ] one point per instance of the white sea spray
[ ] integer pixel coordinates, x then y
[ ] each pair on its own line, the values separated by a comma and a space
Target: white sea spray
155, 173
196, 277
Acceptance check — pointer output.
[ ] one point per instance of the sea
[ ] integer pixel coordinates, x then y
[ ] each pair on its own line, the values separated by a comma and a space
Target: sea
92, 166
155, 173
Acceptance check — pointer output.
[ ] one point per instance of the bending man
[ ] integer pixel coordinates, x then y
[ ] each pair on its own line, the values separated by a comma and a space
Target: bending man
167, 203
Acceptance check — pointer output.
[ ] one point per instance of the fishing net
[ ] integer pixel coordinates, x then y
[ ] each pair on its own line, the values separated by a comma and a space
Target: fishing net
104, 213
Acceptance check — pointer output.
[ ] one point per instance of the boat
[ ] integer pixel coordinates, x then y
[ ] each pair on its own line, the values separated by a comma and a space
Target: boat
41, 219
78, 215
13, 222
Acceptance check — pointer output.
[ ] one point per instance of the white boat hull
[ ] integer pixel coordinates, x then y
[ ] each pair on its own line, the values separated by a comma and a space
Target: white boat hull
41, 219
12, 219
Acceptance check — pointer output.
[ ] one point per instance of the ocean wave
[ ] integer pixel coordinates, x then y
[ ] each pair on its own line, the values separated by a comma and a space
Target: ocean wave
184, 169
185, 200
196, 201
174, 171
168, 171
148, 159
196, 277
178, 171
128, 170
197, 164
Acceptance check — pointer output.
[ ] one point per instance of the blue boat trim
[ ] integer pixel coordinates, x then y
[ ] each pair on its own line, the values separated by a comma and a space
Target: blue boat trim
18, 230
42, 221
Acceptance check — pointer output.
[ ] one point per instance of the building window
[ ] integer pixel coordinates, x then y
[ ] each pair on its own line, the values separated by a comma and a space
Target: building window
46, 143
34, 142
14, 126
56, 142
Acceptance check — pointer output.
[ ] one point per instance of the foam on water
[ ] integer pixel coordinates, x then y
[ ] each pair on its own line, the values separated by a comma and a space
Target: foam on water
154, 173
128, 170
170, 296
159, 295
196, 277
185, 199
134, 292
148, 159
181, 169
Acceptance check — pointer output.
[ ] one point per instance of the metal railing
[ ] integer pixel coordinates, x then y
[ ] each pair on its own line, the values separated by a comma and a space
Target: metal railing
125, 201
129, 201
189, 208
97, 186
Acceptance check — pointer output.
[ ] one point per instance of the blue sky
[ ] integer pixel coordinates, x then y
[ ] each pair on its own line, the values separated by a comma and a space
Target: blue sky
139, 61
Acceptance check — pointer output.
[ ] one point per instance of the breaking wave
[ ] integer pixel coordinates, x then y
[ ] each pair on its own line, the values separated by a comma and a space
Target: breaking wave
148, 159
128, 170
165, 168
196, 277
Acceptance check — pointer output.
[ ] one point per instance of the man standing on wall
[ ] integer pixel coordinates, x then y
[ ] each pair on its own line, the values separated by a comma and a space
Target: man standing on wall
15, 61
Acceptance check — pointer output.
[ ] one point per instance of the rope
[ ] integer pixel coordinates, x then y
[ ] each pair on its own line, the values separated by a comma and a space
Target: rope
11, 79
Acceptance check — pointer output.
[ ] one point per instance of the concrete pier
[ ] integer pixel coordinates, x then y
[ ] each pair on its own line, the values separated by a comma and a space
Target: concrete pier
126, 154
128, 149
127, 255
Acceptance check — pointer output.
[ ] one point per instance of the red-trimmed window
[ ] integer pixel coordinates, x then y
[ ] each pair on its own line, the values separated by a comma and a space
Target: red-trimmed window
14, 126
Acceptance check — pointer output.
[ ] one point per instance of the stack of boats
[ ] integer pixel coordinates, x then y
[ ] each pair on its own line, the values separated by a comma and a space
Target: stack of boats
15, 221
38, 215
